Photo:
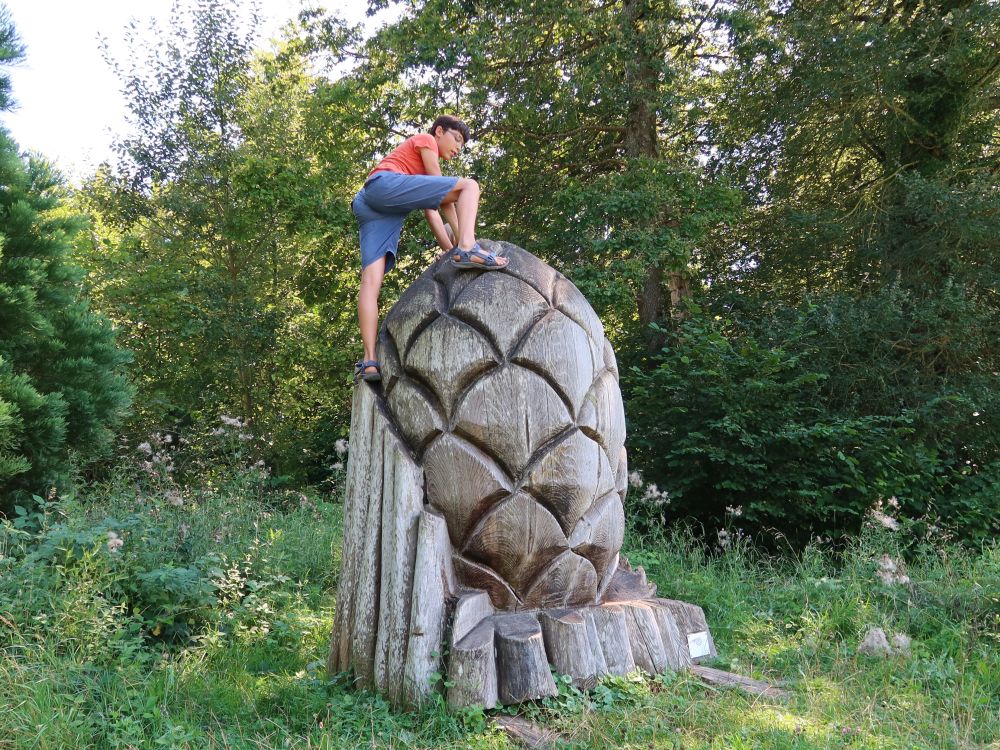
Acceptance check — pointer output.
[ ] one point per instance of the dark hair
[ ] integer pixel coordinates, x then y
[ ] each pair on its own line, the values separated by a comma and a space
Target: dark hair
452, 123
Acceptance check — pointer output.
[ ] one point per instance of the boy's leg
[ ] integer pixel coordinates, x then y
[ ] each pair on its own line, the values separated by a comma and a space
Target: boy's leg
371, 285
464, 200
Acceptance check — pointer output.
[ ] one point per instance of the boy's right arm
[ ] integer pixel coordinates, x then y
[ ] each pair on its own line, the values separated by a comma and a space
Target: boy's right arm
430, 162
439, 230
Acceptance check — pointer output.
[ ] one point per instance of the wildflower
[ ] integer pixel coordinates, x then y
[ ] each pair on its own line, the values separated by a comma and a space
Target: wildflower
231, 421
175, 498
114, 542
337, 466
734, 511
723, 536
183, 530
168, 438
340, 446
245, 436
218, 431
888, 521
145, 448
656, 495
889, 572
635, 479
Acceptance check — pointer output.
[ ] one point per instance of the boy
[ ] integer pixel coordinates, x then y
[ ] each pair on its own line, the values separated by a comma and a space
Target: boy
407, 179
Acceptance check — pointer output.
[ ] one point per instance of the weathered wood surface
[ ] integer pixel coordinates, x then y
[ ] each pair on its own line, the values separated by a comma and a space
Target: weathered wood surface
720, 678
507, 380
612, 633
526, 734
522, 669
484, 500
572, 648
432, 585
470, 610
402, 503
675, 645
690, 620
644, 635
472, 671
357, 596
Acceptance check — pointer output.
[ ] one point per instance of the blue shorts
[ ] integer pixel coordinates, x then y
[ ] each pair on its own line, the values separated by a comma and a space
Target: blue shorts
381, 207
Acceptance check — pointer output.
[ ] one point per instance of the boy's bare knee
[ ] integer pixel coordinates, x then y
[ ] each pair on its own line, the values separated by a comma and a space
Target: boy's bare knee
468, 184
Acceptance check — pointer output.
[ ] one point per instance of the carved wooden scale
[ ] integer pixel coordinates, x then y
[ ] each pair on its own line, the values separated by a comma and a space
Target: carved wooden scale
483, 510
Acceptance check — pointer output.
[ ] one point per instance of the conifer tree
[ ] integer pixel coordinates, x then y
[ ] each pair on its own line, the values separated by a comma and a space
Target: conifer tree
61, 386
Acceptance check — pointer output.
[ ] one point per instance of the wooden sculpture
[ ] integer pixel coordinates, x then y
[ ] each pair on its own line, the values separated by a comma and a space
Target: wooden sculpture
483, 510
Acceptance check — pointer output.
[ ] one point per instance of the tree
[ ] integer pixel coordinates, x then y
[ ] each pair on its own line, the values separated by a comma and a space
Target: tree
62, 391
587, 118
223, 241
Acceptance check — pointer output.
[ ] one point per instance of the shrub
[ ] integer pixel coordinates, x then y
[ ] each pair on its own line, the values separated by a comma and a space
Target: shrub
764, 418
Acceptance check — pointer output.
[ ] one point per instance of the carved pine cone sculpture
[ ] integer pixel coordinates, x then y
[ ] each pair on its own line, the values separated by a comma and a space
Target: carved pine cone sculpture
505, 388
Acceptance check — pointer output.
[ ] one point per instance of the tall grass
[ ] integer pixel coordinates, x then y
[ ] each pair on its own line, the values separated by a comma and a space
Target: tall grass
207, 627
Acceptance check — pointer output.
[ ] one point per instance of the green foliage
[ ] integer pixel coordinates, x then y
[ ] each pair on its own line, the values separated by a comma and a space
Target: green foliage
224, 248
805, 425
62, 392
81, 665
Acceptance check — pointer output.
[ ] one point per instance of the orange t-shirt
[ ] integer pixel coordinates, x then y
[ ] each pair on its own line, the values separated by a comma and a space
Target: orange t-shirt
405, 158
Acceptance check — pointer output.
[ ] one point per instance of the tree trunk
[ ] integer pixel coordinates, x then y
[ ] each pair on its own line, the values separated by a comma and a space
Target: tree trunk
642, 76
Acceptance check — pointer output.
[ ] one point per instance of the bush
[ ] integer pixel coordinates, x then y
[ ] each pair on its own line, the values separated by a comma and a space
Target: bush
62, 391
805, 429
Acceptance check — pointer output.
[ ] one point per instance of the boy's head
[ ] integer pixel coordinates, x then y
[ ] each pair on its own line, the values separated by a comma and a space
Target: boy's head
451, 134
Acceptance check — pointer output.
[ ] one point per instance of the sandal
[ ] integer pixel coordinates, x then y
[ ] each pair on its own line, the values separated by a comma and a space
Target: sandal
464, 259
371, 377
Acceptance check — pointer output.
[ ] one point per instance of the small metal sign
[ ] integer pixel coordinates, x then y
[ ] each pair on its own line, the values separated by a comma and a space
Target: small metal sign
698, 644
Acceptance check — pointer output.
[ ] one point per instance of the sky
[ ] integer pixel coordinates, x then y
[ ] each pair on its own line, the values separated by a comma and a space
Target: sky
69, 103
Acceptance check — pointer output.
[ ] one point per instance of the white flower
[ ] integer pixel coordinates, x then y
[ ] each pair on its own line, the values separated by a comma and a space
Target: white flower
734, 511
337, 466
635, 479
175, 498
340, 446
245, 436
114, 543
231, 421
888, 521
168, 438
145, 448
218, 431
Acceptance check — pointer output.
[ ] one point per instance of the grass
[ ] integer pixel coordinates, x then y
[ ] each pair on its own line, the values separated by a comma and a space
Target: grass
208, 628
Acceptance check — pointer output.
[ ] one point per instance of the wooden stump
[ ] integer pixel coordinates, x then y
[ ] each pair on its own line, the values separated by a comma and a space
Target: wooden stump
522, 669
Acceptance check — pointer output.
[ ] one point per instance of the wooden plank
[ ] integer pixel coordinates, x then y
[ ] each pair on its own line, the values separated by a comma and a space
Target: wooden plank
472, 670
720, 678
402, 502
675, 644
644, 635
526, 734
355, 513
367, 576
428, 610
612, 633
522, 669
